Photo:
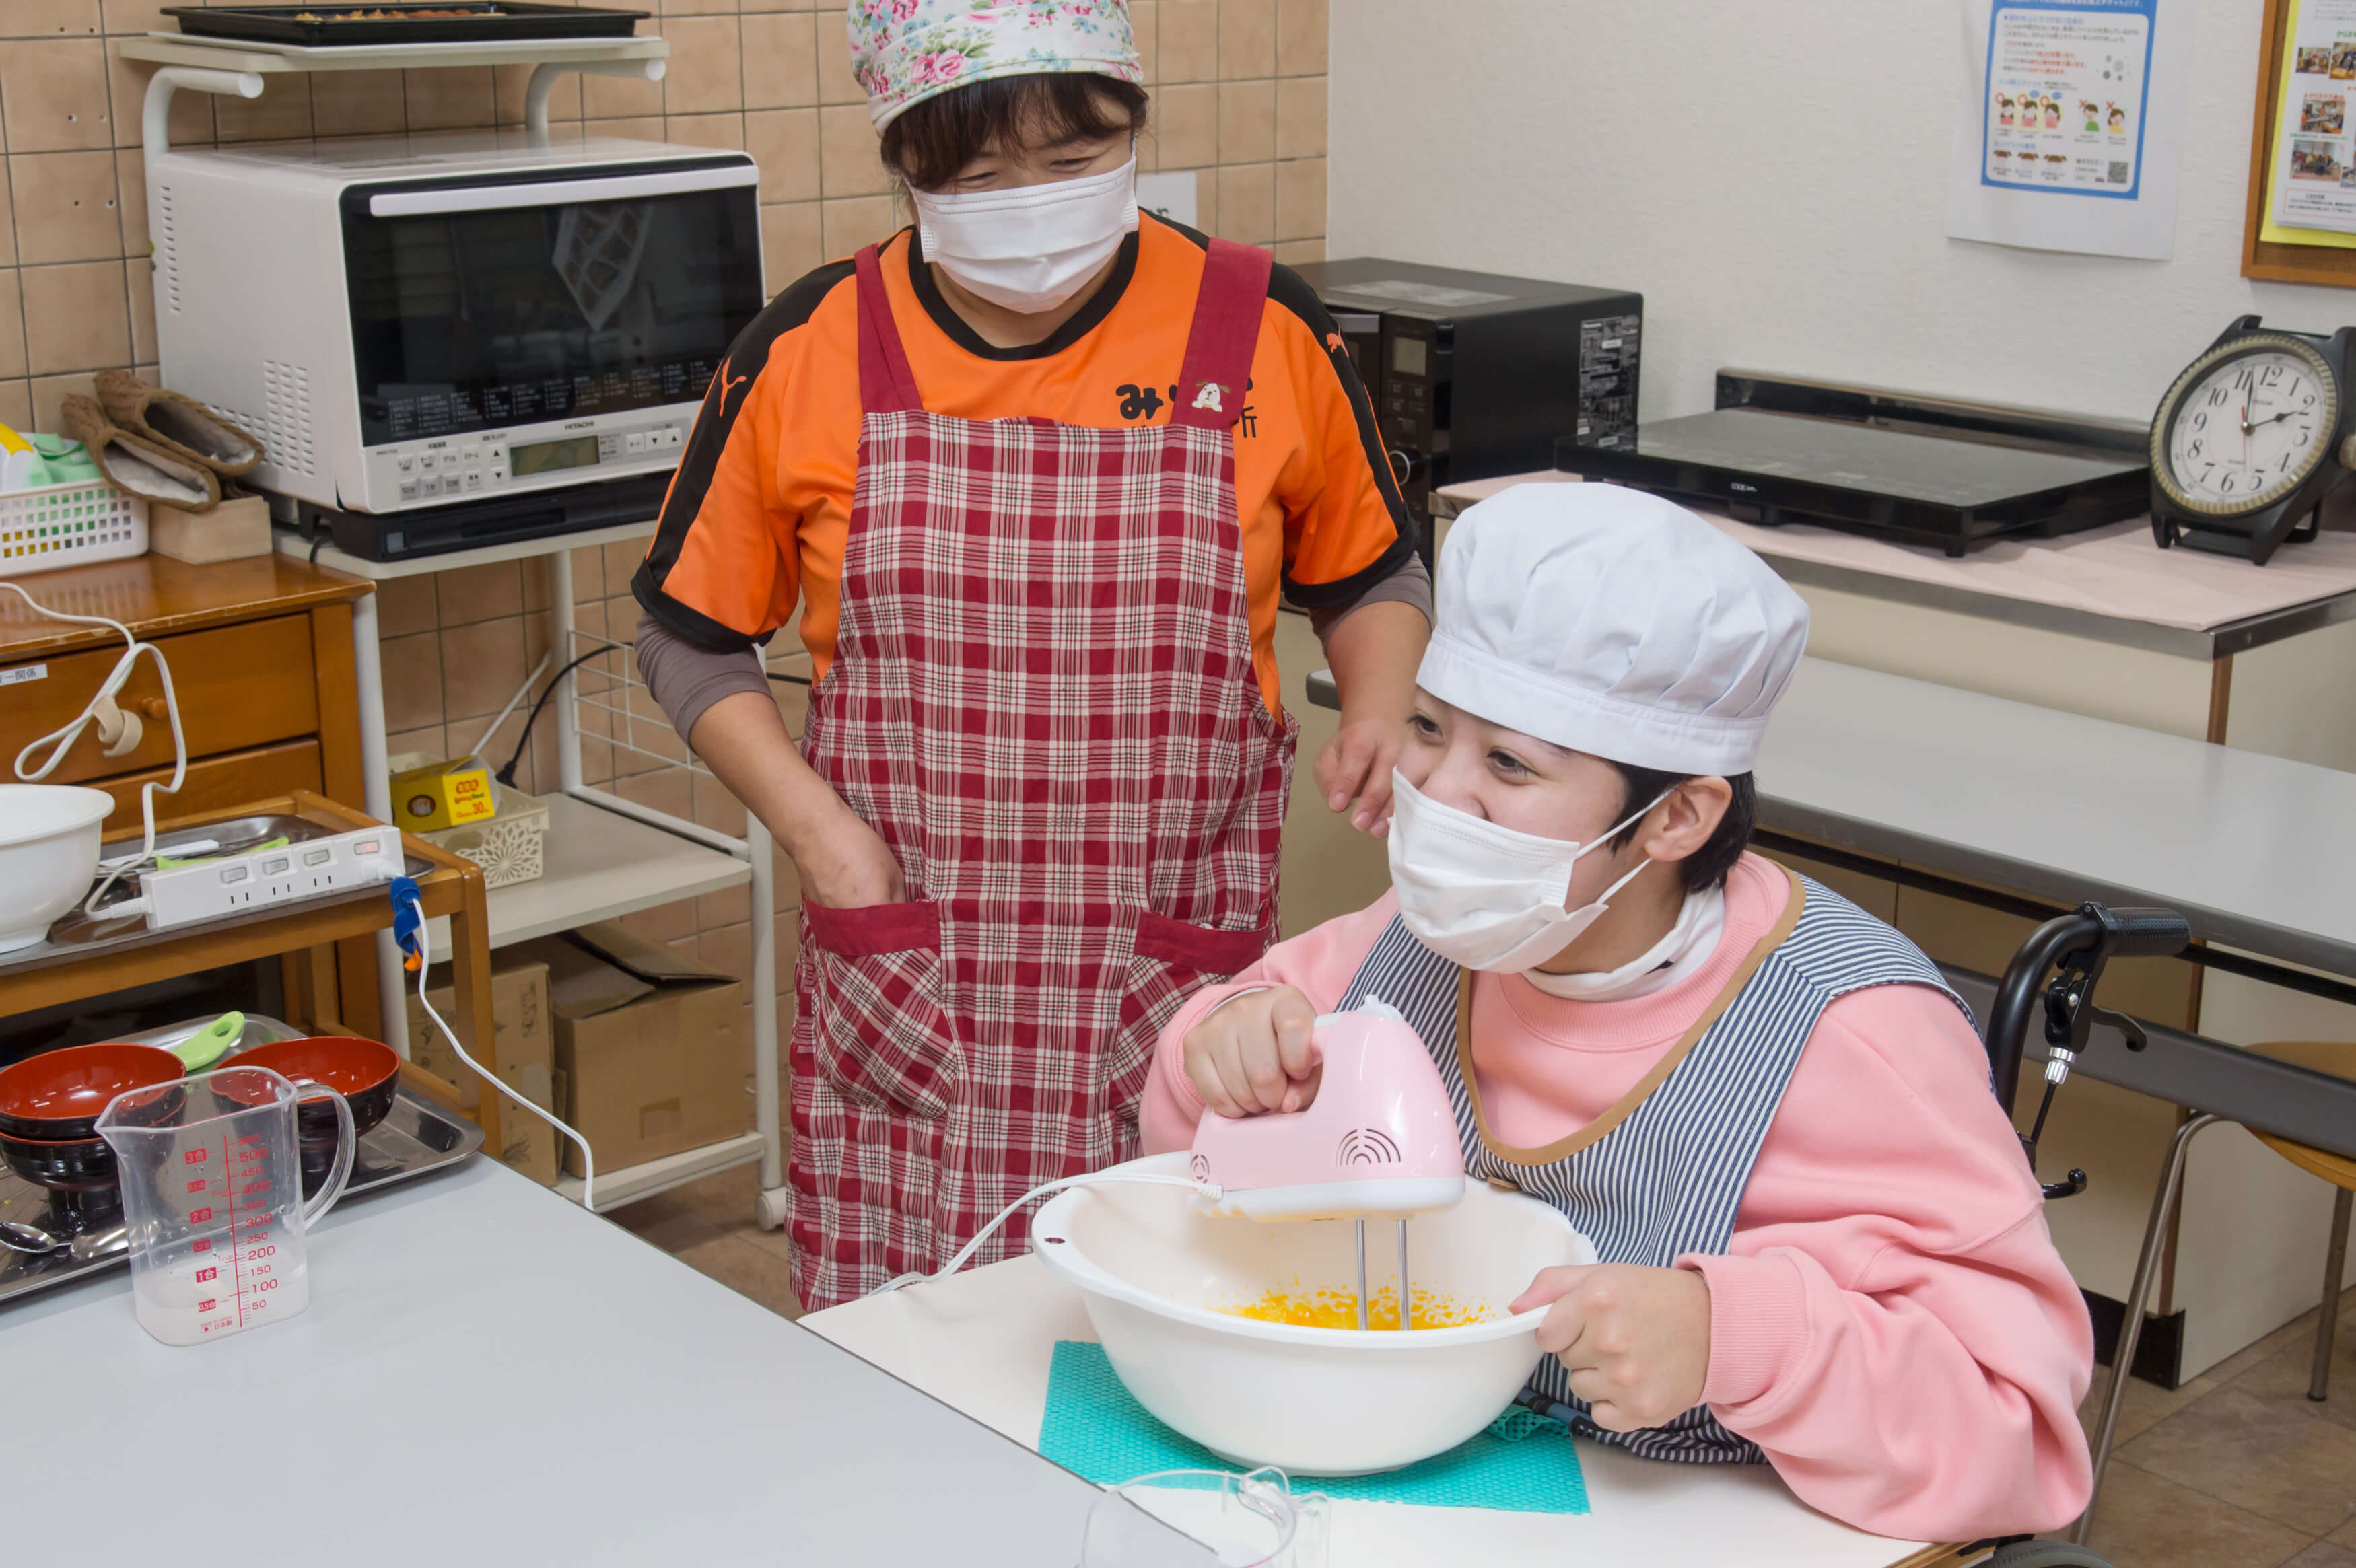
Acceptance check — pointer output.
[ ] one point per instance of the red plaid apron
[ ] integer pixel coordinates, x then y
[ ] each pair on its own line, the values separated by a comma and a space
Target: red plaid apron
1042, 698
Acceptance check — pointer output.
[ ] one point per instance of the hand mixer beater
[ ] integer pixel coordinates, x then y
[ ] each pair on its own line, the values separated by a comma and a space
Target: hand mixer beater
1379, 1142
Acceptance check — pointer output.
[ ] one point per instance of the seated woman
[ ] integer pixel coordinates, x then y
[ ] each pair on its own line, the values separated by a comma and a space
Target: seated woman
1821, 1244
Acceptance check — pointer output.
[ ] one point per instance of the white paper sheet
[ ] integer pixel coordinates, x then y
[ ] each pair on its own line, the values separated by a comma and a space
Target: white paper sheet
2072, 132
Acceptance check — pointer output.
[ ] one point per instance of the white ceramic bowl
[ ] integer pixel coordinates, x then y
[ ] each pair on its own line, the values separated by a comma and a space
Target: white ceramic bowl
1314, 1401
48, 853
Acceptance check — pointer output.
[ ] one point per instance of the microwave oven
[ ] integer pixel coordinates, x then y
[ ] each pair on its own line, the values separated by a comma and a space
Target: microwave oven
447, 340
1473, 375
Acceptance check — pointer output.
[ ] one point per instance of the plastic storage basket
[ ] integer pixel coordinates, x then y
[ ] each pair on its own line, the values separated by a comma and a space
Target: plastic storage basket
508, 847
68, 525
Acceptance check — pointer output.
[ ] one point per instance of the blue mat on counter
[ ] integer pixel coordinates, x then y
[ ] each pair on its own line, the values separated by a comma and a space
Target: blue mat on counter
1523, 1464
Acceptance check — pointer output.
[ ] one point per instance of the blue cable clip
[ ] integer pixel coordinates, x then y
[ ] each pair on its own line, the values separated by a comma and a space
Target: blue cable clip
408, 922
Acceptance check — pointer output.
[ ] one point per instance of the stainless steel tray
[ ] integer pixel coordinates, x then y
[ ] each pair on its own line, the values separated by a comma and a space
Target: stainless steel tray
416, 1137
76, 935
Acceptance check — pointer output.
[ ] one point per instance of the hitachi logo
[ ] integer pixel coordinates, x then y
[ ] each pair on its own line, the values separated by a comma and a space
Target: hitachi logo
581, 424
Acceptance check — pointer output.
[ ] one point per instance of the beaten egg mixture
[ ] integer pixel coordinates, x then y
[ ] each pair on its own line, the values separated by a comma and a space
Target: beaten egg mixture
1334, 1307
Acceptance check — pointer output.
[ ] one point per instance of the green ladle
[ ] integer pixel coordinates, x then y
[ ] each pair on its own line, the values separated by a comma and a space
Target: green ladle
204, 1048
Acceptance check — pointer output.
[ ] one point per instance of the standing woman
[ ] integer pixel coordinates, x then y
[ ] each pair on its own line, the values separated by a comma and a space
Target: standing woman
1036, 471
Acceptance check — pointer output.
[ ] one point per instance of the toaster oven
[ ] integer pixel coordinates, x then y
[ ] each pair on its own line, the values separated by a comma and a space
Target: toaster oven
443, 340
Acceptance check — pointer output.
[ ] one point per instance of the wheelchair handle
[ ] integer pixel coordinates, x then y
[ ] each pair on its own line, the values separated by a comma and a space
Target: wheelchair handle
2081, 942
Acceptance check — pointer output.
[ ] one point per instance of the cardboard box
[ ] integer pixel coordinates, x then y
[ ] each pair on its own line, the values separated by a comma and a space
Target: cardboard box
649, 1045
237, 527
523, 1054
442, 794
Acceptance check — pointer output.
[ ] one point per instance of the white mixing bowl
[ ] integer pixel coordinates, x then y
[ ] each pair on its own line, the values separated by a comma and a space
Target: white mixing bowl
48, 853
1314, 1401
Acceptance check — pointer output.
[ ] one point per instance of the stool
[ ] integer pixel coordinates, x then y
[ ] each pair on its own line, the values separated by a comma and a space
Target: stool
2338, 1058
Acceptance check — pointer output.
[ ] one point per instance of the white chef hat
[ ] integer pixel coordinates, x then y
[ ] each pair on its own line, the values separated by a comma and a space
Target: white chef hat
1612, 623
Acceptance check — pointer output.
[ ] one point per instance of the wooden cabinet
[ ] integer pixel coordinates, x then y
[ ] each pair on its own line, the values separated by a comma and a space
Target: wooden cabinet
260, 654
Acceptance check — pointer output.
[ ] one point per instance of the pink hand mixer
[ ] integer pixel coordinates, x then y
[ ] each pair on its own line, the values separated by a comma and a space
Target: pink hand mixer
1379, 1141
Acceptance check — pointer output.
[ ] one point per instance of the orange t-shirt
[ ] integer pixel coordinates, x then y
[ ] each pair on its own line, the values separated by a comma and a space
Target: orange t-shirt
760, 509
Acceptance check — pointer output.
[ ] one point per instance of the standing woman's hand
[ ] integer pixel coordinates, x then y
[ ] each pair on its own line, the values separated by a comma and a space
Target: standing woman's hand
1374, 651
848, 866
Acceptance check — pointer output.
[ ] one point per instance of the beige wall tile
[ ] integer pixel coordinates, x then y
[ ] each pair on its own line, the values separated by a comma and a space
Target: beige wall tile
356, 102
1206, 201
705, 130
716, 808
849, 161
15, 405
588, 574
130, 200
7, 224
1187, 41
780, 61
49, 391
696, 9
1247, 202
1246, 38
784, 141
49, 19
139, 295
1301, 31
412, 680
835, 82
136, 15
1300, 118
12, 330
729, 950
850, 222
431, 743
666, 790
1293, 252
1144, 23
76, 318
1300, 199
1185, 127
1247, 122
449, 98
726, 907
748, 6
705, 69
617, 97
471, 593
53, 95
622, 557
793, 242
65, 206
664, 922
404, 605
638, 128
282, 113
481, 667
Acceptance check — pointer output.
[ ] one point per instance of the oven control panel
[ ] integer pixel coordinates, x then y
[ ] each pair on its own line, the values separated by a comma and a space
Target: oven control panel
431, 471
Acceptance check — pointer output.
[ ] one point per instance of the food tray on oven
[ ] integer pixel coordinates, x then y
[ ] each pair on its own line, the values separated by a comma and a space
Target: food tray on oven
418, 22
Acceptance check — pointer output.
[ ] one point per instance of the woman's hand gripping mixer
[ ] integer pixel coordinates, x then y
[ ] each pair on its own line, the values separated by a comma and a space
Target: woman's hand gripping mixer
1379, 1141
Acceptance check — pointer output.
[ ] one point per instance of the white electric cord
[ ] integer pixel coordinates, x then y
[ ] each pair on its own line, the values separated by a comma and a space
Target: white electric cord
1205, 1189
588, 1161
61, 740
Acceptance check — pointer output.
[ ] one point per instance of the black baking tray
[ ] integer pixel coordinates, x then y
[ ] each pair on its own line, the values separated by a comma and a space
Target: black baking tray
328, 24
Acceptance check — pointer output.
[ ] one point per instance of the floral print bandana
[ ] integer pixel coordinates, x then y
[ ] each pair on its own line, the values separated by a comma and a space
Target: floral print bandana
902, 51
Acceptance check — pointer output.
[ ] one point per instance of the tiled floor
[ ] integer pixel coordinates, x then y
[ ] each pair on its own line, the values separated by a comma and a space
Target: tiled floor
2236, 1469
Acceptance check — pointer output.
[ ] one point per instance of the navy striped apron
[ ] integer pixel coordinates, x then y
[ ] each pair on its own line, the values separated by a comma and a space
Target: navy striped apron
1668, 1178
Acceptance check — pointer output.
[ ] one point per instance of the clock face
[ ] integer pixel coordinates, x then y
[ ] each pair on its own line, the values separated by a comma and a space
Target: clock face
2244, 424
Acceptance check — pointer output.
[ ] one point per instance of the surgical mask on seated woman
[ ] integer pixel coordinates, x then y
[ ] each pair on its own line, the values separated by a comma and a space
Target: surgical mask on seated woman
1489, 896
1030, 248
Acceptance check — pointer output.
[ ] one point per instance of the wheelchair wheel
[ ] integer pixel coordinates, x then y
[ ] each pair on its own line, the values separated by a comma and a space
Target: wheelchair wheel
2045, 1554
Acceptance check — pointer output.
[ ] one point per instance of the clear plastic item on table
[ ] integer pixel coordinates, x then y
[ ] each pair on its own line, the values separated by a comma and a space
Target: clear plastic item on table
1207, 1519
212, 1197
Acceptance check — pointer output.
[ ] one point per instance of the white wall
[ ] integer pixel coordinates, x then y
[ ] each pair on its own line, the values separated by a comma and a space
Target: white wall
1773, 176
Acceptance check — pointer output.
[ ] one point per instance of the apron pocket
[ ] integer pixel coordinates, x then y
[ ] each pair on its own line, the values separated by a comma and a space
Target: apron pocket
1171, 960
881, 1033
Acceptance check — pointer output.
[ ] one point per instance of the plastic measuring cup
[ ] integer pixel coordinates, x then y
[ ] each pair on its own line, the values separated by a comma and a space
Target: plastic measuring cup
1228, 1521
212, 1199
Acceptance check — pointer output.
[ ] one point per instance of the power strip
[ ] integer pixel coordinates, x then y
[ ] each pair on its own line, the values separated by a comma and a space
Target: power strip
263, 878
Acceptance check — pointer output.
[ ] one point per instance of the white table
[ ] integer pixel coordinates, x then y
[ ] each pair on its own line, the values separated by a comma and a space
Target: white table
981, 1342
488, 1374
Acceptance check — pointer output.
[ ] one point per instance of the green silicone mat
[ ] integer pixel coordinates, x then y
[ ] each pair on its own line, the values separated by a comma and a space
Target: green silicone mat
1523, 1464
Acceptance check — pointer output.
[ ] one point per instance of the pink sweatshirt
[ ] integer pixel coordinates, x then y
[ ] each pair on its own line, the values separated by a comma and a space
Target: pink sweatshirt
1891, 1323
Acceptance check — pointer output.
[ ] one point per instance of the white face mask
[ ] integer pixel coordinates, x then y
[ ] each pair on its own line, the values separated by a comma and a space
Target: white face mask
1485, 896
1029, 248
